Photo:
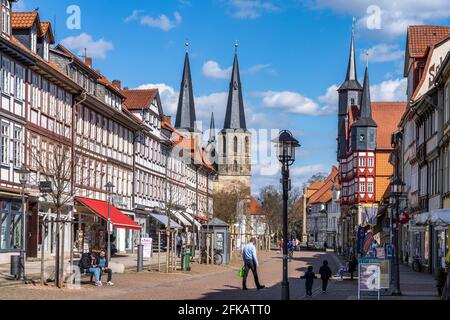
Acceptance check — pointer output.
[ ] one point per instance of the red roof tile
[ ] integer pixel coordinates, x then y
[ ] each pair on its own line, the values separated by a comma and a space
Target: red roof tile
421, 37
387, 115
323, 195
23, 20
139, 99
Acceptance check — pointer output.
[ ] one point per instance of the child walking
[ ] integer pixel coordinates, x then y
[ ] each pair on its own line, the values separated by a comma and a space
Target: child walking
309, 276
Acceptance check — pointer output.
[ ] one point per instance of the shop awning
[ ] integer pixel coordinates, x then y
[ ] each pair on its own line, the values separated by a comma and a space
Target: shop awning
190, 218
163, 220
182, 219
437, 217
118, 218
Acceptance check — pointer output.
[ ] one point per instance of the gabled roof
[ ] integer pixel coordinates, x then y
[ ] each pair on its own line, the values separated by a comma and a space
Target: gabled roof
387, 115
24, 20
138, 99
324, 194
420, 38
46, 27
255, 208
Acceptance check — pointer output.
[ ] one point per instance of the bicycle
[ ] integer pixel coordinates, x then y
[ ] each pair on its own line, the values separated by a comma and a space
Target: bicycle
217, 258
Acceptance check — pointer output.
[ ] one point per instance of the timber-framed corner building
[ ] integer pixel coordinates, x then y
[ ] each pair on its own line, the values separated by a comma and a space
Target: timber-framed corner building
52, 103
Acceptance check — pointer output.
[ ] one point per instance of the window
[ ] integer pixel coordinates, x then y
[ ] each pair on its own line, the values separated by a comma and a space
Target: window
370, 162
6, 17
18, 147
235, 145
6, 74
247, 145
370, 187
446, 104
46, 49
33, 41
4, 143
362, 187
19, 89
10, 226
362, 161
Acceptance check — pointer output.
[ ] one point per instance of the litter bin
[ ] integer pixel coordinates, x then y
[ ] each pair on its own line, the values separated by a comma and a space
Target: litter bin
187, 261
15, 266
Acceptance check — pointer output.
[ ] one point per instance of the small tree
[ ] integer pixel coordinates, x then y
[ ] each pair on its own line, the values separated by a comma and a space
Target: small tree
226, 203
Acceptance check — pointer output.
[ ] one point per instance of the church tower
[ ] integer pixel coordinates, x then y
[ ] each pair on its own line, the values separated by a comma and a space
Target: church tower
349, 95
185, 122
234, 141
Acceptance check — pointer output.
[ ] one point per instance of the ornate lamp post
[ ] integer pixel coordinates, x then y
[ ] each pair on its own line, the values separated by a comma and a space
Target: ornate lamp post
285, 146
397, 188
24, 176
109, 189
194, 209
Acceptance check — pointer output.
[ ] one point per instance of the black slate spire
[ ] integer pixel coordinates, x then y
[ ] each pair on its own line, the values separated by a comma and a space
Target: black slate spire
365, 112
212, 130
235, 116
186, 107
351, 79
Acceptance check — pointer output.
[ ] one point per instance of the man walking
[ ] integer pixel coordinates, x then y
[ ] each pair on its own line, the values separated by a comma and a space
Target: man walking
250, 263
325, 275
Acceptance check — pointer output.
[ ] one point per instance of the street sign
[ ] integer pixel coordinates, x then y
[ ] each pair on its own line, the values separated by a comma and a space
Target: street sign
45, 186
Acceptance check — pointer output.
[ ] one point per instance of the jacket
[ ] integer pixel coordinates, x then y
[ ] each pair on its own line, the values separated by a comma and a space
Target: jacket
309, 276
325, 272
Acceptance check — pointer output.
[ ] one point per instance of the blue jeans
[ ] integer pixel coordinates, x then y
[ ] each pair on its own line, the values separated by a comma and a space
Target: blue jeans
95, 272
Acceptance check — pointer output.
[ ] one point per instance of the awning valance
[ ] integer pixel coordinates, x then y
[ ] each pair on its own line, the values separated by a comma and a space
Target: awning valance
437, 217
118, 218
182, 219
163, 220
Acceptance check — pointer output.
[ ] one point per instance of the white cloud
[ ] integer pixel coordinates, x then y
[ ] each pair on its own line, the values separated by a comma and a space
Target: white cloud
308, 170
162, 22
212, 69
389, 90
20, 6
95, 49
383, 53
169, 97
395, 15
294, 102
258, 68
251, 9
330, 99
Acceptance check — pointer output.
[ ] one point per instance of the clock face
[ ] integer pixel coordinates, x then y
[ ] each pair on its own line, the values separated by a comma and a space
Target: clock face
362, 138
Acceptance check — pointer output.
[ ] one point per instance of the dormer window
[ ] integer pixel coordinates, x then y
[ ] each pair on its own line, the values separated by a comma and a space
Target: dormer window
6, 17
33, 41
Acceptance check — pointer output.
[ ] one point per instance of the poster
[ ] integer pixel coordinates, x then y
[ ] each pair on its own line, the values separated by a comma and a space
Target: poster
381, 253
147, 247
369, 276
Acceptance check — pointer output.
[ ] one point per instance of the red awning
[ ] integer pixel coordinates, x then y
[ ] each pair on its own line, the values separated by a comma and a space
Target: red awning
118, 218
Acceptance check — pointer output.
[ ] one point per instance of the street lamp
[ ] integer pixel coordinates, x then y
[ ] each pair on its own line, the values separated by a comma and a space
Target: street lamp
24, 176
194, 208
397, 188
285, 146
109, 189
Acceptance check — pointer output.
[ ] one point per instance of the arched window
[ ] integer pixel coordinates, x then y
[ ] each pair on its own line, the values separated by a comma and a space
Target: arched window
235, 166
235, 145
247, 146
224, 145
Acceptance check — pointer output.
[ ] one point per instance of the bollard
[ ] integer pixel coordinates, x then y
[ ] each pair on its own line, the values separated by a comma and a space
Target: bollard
187, 261
140, 258
16, 266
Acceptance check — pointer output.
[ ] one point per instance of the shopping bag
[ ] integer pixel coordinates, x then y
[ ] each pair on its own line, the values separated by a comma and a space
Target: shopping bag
241, 272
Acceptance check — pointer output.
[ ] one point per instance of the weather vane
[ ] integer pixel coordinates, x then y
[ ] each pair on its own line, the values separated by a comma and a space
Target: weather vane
236, 45
186, 44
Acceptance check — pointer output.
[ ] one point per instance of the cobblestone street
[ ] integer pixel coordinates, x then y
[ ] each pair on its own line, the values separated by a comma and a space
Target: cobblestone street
222, 283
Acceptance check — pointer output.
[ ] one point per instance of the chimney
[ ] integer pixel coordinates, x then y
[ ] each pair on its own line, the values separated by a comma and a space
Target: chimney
88, 61
117, 84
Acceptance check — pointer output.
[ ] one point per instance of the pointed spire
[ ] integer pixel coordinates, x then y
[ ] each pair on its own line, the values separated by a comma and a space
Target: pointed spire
186, 107
235, 115
212, 130
365, 113
351, 78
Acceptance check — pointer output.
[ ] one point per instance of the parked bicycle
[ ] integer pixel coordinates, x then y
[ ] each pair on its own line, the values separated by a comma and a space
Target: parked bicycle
217, 258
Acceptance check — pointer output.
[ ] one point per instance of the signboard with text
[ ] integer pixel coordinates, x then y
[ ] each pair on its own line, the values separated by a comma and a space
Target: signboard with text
369, 278
147, 247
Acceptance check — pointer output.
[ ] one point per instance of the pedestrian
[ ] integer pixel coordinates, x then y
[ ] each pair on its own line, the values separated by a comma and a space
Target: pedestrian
103, 265
250, 263
325, 275
179, 244
309, 276
290, 250
353, 263
281, 245
89, 264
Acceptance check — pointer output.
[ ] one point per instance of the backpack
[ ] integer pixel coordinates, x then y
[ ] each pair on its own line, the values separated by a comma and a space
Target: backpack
85, 261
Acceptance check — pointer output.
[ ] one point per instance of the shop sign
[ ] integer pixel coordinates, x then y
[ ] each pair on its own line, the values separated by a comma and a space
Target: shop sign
369, 277
147, 247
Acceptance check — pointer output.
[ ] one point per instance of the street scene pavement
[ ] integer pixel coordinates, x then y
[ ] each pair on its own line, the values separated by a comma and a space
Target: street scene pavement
208, 282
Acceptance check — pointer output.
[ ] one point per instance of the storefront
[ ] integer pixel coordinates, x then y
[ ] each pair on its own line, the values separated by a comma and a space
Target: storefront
90, 232
11, 225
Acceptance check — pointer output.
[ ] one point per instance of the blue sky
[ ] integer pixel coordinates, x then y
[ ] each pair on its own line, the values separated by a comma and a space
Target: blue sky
293, 54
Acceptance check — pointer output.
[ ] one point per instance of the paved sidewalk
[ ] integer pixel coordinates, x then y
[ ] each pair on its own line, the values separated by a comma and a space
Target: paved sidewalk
414, 286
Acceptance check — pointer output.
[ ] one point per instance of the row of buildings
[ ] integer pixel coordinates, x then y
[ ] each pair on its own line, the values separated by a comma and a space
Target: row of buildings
77, 132
385, 144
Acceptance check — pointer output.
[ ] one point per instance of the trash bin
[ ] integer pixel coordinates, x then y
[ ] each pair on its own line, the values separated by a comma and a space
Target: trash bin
15, 266
187, 261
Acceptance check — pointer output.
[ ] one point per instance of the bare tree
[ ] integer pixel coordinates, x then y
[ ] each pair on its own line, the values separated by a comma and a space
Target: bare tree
226, 203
